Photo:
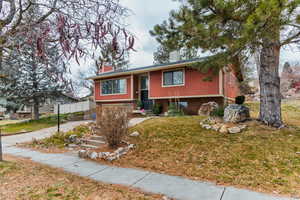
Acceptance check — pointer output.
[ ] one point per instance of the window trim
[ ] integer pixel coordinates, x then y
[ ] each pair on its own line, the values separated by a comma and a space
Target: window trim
101, 82
170, 70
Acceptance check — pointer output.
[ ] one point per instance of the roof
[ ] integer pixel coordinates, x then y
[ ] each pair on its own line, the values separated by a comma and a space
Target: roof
145, 69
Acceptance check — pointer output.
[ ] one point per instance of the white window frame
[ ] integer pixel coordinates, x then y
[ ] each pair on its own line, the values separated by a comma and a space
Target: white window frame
101, 83
178, 85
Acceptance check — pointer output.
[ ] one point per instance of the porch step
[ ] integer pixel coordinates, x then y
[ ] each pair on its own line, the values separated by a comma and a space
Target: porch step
96, 137
86, 146
93, 142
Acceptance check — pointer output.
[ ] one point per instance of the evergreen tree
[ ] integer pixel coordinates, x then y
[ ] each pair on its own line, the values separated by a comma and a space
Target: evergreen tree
30, 79
233, 31
162, 54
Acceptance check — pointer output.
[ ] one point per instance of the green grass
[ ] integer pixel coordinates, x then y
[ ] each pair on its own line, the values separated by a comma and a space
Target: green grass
34, 125
261, 158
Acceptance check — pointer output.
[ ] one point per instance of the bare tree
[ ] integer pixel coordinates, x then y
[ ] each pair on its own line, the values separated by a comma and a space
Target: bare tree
71, 23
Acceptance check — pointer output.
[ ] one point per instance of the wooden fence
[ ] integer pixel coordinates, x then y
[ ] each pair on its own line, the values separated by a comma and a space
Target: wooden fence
75, 107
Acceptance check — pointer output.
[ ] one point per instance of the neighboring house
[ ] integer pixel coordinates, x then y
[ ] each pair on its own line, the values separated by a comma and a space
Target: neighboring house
162, 84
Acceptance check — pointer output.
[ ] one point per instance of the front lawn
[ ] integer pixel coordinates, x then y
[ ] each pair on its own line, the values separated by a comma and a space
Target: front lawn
261, 158
34, 125
23, 179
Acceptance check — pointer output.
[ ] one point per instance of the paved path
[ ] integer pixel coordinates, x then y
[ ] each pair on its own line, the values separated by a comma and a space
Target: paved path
171, 186
40, 134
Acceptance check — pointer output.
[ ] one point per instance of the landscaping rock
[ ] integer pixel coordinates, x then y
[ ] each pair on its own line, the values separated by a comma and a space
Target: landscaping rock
223, 129
236, 113
135, 134
216, 127
83, 154
207, 108
234, 130
93, 155
72, 139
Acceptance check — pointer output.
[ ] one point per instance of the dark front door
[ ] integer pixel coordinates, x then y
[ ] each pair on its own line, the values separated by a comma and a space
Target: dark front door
147, 103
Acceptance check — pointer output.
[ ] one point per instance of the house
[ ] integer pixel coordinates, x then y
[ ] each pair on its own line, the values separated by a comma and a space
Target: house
47, 107
162, 84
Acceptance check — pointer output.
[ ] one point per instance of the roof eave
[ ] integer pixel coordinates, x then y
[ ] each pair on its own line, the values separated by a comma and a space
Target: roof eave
138, 71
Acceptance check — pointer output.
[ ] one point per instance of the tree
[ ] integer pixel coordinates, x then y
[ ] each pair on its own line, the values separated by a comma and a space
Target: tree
162, 54
107, 57
233, 31
76, 25
30, 81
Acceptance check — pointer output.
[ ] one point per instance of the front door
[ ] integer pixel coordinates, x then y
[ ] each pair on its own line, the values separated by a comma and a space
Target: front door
144, 85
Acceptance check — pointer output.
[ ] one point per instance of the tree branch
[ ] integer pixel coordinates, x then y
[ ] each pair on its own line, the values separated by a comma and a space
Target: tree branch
290, 39
10, 16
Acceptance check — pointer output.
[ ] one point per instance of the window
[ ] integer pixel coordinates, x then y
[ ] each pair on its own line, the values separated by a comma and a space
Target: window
173, 78
116, 86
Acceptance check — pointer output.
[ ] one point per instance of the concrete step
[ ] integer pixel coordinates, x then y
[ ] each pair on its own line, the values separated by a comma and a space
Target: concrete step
93, 142
86, 146
97, 137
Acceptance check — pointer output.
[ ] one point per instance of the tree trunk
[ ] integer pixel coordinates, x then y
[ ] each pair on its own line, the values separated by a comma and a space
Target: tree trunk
36, 109
270, 96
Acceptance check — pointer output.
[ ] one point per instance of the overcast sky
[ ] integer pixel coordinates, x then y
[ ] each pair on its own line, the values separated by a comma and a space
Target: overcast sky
146, 14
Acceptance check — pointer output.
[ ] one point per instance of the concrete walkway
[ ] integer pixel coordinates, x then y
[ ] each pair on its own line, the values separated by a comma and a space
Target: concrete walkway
171, 186
40, 134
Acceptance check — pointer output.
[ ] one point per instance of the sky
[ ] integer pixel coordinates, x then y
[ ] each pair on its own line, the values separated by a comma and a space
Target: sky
145, 15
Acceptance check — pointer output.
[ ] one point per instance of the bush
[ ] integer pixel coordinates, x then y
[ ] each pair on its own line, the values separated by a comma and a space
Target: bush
157, 109
240, 100
114, 125
174, 110
139, 104
218, 112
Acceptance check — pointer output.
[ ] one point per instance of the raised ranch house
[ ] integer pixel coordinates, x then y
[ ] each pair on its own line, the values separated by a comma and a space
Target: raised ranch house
162, 84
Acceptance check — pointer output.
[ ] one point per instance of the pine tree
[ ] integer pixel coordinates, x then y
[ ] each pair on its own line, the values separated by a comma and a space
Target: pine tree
233, 31
30, 79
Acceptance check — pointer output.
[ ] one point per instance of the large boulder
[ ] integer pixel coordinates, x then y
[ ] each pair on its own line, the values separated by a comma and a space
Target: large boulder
236, 113
207, 108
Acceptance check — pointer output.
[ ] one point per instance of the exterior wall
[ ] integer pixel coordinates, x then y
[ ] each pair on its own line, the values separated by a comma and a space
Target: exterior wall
100, 106
193, 103
194, 85
100, 97
231, 85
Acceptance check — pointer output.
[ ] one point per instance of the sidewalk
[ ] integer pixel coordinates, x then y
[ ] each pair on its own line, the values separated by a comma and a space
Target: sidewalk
171, 186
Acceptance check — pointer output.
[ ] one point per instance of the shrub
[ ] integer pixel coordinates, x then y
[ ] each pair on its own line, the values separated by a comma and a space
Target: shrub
240, 100
174, 110
157, 109
218, 112
139, 104
114, 125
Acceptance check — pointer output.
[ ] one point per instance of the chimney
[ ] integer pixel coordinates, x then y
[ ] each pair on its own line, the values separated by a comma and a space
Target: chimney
106, 68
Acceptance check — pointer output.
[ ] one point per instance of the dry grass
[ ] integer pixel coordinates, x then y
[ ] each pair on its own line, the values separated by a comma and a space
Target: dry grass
5, 122
262, 158
22, 179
